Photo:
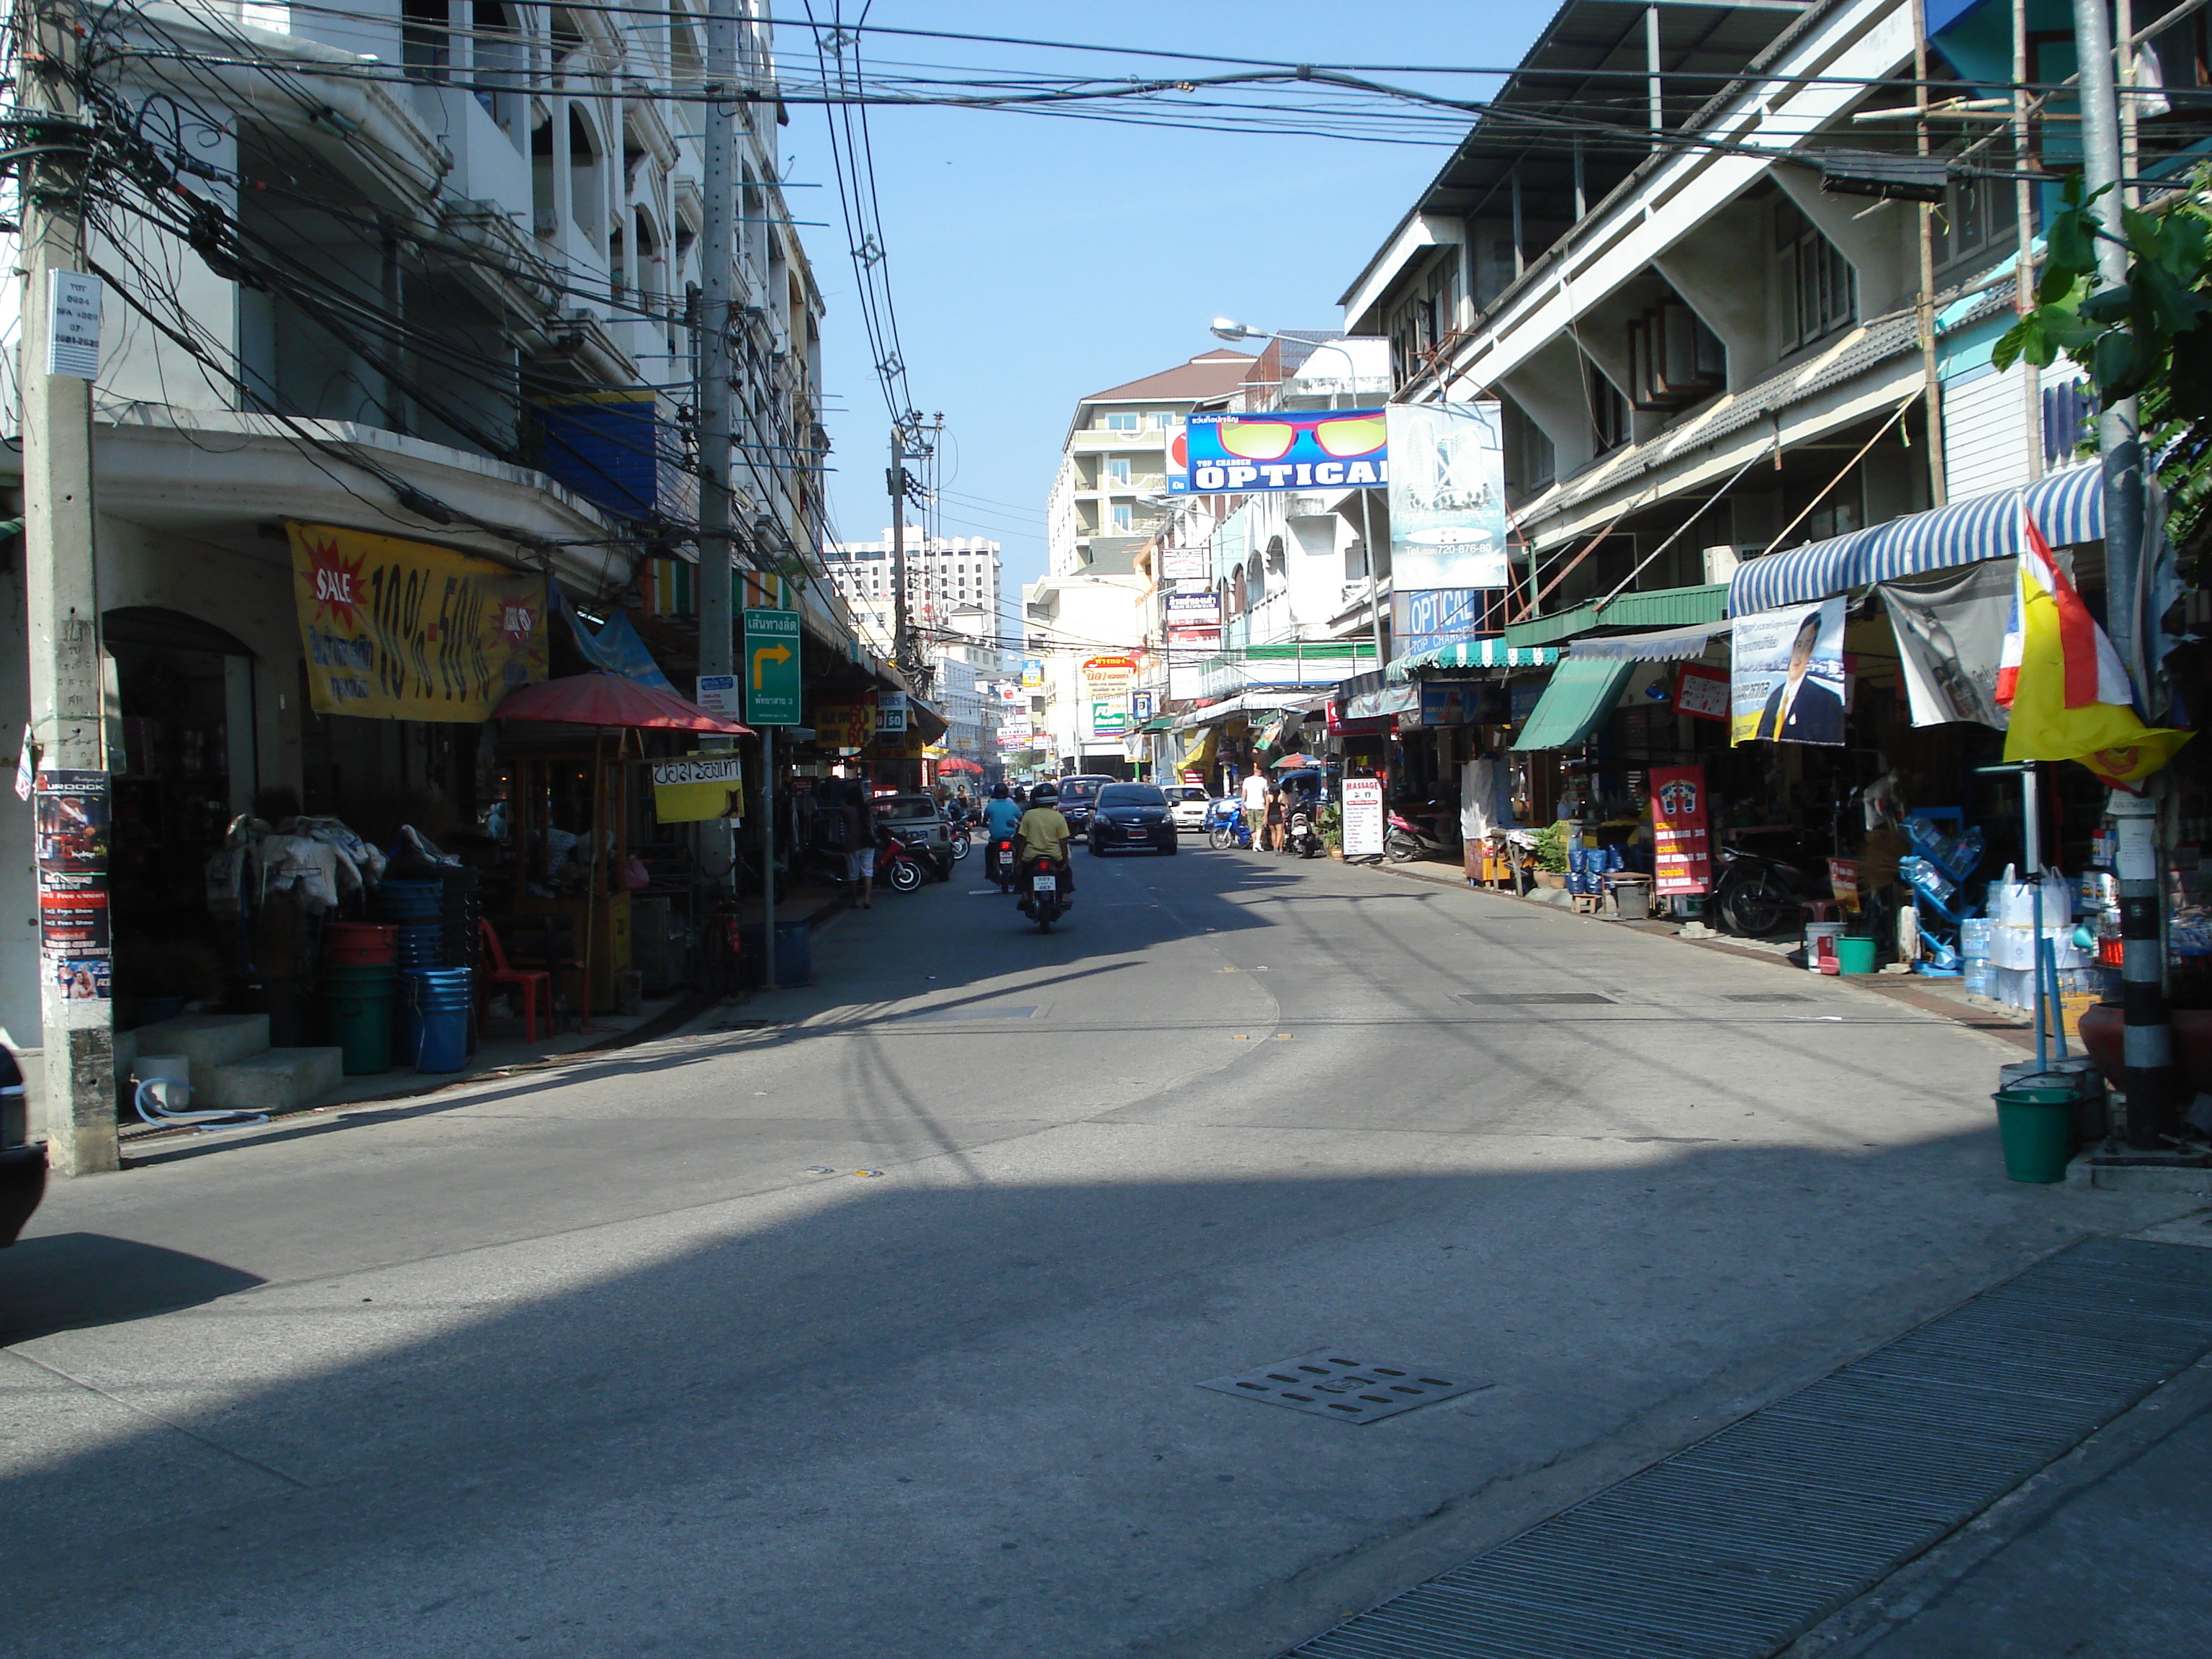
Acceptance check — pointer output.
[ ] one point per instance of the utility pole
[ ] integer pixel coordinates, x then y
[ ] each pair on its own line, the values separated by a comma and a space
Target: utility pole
718, 284
2146, 1040
56, 372
894, 480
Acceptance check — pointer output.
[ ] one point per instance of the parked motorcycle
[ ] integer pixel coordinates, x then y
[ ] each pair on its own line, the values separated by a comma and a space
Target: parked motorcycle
1301, 835
998, 862
1407, 836
899, 867
1758, 895
1044, 893
1226, 825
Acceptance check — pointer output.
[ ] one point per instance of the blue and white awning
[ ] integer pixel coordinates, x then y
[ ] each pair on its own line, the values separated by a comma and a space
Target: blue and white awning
1490, 653
2069, 507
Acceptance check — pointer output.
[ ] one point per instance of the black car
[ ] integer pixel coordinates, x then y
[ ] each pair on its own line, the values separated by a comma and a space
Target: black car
1077, 796
1132, 815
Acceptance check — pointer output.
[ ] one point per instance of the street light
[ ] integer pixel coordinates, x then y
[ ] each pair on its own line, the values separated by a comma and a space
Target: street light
1229, 328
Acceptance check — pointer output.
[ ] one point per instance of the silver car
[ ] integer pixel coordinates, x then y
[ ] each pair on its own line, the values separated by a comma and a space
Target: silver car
915, 820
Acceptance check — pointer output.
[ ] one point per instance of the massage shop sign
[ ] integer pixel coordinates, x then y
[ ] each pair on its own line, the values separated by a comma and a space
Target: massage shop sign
396, 629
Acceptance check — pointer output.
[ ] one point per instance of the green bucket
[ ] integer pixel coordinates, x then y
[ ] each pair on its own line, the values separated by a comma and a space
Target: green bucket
1854, 956
2035, 1127
360, 1024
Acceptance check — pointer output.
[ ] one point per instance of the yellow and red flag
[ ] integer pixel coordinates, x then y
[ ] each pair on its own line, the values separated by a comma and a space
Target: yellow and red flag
2062, 681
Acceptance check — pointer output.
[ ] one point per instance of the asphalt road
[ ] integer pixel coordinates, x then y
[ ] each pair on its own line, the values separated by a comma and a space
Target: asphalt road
630, 1358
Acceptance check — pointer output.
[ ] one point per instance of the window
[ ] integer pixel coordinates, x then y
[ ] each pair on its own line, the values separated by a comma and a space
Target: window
1530, 460
1117, 423
1975, 213
1117, 470
1673, 359
1819, 290
1160, 420
1125, 516
1608, 410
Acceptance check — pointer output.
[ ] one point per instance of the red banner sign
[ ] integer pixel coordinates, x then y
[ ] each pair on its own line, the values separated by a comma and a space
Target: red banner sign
1681, 842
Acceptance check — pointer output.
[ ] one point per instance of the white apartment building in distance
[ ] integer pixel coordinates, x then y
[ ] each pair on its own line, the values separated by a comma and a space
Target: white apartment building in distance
944, 574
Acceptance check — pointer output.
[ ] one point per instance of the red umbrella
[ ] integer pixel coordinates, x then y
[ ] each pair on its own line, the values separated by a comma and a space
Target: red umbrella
957, 764
1295, 760
600, 698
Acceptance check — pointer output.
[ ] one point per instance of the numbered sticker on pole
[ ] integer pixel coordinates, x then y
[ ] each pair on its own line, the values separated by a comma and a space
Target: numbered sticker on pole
771, 667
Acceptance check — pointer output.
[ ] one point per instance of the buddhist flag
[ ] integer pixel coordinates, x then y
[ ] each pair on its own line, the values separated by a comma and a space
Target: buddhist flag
2068, 695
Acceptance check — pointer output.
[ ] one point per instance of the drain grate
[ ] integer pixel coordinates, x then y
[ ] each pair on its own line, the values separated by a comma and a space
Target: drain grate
1734, 1547
1534, 999
1766, 996
1329, 1385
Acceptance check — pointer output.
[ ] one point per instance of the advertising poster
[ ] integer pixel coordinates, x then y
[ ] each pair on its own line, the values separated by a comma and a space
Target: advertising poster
1106, 681
1032, 674
1220, 454
1424, 619
396, 629
1681, 840
1950, 642
76, 950
1703, 692
1363, 817
1447, 497
1787, 683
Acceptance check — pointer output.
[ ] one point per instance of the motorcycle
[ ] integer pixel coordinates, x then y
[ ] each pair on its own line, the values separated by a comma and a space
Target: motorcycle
1300, 835
956, 829
898, 866
1758, 895
1405, 838
1226, 825
1044, 893
998, 861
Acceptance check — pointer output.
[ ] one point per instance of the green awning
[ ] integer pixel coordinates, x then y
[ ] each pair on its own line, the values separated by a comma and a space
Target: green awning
1665, 607
1163, 723
1580, 693
1474, 653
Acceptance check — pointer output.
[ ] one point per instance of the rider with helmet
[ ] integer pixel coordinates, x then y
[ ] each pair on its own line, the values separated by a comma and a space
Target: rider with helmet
1001, 818
1043, 833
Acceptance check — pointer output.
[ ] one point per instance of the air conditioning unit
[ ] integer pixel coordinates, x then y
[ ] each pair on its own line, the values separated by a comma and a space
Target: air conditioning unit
1721, 562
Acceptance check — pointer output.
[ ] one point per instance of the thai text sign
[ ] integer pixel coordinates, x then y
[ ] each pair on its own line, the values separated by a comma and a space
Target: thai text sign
1246, 454
396, 629
697, 787
1197, 608
771, 667
1683, 848
845, 725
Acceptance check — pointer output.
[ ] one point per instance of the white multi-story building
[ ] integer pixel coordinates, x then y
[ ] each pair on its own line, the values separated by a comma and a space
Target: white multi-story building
944, 574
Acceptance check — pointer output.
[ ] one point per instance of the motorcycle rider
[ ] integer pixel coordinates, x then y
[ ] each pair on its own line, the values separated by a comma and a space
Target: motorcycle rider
1043, 833
1001, 818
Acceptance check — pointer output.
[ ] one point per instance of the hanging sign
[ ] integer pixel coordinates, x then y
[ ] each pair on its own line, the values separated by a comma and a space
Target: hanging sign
717, 694
1787, 680
1246, 454
76, 953
845, 725
890, 714
697, 788
401, 630
1682, 851
73, 325
1703, 692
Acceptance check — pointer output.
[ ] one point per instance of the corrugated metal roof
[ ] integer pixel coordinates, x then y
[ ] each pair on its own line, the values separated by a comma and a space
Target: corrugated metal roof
1666, 607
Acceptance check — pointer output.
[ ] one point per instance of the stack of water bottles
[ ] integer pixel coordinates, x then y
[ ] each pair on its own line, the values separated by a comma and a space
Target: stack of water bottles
1974, 935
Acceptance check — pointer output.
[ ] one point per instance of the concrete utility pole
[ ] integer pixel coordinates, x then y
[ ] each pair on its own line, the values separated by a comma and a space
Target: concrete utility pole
56, 372
2146, 1052
718, 284
894, 480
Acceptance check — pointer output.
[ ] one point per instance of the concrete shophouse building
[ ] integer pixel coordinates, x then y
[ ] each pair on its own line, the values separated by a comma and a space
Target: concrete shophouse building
425, 277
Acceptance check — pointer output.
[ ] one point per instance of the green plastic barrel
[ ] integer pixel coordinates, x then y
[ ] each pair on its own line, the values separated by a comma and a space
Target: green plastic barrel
360, 1010
2035, 1127
1854, 956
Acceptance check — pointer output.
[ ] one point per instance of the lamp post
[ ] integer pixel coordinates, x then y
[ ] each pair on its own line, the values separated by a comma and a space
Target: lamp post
1229, 328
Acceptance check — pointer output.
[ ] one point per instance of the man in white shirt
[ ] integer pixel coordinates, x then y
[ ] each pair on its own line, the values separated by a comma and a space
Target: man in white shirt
1254, 793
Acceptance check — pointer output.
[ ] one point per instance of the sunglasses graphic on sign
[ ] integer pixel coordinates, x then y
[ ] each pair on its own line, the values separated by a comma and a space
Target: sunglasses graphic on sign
1231, 453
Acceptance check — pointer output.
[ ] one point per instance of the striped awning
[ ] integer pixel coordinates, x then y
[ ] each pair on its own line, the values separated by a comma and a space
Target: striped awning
1666, 645
2069, 507
1493, 652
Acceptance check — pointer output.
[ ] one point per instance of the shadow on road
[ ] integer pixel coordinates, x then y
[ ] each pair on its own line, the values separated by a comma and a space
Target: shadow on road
66, 1281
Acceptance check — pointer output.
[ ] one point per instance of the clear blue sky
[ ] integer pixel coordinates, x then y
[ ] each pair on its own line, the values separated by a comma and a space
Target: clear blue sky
1033, 259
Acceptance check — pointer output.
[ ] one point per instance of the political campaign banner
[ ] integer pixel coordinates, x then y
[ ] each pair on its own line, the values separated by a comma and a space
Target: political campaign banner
1447, 497
1786, 684
396, 629
1221, 455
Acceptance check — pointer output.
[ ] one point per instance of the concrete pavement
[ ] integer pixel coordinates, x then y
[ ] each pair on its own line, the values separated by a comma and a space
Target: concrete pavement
628, 1357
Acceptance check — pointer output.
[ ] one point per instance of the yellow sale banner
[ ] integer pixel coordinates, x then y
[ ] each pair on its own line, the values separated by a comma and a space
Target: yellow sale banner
397, 629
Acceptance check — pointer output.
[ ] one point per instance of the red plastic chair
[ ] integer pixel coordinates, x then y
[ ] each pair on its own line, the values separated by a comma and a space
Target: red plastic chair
530, 980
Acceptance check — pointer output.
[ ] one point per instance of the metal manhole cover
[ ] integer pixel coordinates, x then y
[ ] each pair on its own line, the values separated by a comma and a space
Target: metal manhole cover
1328, 1383
1028, 1011
1534, 999
1766, 996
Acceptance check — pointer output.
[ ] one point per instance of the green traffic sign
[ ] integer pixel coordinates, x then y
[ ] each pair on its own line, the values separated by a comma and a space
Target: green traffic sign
771, 667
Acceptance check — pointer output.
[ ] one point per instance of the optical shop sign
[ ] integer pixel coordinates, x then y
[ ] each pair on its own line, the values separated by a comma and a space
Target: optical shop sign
396, 629
1241, 454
